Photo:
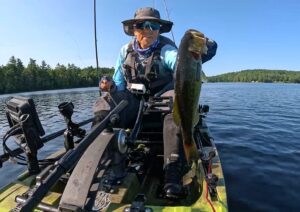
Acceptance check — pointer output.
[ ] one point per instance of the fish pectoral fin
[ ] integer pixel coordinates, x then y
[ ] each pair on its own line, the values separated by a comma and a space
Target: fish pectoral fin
191, 152
176, 116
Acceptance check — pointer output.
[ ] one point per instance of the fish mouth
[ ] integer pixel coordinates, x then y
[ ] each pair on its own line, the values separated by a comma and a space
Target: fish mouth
196, 44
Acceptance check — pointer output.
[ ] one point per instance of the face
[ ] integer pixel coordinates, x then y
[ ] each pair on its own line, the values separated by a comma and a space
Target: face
145, 34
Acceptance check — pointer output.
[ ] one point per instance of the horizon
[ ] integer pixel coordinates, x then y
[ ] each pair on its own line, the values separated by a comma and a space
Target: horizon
94, 66
250, 35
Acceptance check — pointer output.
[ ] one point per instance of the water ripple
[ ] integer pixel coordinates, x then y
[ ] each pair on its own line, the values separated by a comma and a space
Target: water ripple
256, 128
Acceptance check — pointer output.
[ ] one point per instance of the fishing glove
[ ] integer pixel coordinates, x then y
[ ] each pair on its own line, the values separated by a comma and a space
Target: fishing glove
198, 43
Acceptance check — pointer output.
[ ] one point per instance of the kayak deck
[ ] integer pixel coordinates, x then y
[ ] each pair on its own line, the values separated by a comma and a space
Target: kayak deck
112, 174
127, 191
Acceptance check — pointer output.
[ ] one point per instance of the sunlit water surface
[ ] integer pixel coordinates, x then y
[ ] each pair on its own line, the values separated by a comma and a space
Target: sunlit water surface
256, 128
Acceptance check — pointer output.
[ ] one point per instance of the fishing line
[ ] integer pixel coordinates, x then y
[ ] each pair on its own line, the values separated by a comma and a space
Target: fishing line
167, 11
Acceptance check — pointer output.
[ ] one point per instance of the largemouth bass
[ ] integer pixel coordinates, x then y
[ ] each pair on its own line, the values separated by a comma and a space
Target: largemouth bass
187, 89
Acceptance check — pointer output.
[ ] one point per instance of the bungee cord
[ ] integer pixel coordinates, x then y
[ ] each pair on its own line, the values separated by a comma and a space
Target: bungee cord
20, 158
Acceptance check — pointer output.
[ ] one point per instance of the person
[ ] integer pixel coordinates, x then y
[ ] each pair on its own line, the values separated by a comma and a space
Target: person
149, 58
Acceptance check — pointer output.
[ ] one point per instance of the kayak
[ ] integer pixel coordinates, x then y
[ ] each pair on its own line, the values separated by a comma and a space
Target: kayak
116, 169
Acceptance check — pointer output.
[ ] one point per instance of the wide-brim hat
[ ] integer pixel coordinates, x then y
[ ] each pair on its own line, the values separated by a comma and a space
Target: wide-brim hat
145, 14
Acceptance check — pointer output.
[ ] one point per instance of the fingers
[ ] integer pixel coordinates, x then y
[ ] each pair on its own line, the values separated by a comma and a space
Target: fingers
197, 33
198, 43
105, 85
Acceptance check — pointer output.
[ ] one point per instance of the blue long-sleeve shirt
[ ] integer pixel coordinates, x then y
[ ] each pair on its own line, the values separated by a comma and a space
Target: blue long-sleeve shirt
168, 57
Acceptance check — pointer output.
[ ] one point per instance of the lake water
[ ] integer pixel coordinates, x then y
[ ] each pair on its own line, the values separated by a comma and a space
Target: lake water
256, 128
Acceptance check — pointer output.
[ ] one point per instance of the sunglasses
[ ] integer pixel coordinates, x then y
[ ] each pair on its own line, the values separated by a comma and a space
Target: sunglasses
147, 24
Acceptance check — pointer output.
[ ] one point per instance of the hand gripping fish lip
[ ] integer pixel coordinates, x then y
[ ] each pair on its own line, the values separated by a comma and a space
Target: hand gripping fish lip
197, 44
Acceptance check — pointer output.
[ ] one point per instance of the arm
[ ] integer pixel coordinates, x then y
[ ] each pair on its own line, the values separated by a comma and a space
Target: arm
118, 76
211, 50
168, 56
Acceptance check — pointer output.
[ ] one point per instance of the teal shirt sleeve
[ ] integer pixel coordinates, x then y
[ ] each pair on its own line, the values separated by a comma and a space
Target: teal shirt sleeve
168, 55
118, 76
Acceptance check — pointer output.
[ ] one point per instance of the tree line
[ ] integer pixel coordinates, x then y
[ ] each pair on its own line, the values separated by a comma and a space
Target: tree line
15, 77
258, 75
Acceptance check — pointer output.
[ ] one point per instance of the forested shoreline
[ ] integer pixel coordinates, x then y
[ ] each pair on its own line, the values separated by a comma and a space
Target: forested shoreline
258, 75
15, 77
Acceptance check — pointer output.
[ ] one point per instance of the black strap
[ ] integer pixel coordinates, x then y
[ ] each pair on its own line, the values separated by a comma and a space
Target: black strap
149, 66
78, 186
131, 68
132, 60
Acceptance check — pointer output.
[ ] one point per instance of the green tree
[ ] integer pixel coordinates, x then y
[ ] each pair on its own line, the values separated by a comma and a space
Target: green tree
13, 75
31, 75
2, 81
44, 80
258, 75
42, 77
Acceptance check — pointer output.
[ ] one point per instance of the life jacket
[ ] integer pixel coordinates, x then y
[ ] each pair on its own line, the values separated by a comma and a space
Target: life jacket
148, 71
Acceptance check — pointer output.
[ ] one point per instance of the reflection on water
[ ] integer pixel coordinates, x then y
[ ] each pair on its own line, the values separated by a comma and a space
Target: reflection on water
257, 131
47, 102
256, 128
46, 105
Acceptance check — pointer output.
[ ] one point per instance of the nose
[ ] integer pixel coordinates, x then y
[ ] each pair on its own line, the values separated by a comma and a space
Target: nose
147, 31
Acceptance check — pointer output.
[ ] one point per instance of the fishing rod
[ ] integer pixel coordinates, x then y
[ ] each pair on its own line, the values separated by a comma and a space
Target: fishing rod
167, 11
66, 163
95, 38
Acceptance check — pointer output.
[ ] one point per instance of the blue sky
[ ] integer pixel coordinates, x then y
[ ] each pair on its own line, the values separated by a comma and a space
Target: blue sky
250, 33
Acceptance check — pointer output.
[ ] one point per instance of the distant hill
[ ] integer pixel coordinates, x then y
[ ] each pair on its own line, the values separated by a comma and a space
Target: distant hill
258, 75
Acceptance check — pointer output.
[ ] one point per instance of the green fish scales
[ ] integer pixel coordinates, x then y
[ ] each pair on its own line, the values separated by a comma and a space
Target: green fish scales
187, 90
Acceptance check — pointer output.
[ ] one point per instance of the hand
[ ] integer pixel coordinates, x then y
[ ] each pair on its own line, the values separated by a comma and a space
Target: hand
198, 43
105, 84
